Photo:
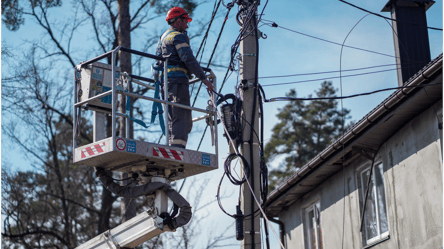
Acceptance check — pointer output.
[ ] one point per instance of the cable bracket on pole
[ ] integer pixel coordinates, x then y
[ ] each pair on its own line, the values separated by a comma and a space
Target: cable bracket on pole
253, 143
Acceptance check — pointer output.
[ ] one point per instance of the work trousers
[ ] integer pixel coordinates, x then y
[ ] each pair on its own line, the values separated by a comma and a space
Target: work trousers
179, 119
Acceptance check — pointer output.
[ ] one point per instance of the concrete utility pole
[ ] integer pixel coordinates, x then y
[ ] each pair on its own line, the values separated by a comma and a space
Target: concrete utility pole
250, 146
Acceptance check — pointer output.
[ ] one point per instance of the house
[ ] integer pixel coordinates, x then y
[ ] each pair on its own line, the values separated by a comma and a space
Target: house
390, 162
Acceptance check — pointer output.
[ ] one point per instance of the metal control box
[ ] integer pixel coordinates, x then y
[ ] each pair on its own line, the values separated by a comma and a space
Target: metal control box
96, 79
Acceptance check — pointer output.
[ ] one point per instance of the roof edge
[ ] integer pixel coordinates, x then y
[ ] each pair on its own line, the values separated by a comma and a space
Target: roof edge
356, 130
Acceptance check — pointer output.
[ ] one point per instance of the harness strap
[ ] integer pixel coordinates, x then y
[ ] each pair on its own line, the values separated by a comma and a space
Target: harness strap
177, 69
128, 111
157, 109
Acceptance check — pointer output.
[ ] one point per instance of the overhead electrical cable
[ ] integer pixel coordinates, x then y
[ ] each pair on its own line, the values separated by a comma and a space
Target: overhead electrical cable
376, 14
214, 51
327, 72
343, 128
332, 42
213, 15
204, 40
328, 78
349, 96
229, 6
262, 12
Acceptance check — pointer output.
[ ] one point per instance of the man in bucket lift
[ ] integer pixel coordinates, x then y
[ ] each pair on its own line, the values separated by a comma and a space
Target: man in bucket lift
175, 45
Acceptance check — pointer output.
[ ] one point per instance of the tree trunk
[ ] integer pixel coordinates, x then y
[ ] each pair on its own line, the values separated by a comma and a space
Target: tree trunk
128, 209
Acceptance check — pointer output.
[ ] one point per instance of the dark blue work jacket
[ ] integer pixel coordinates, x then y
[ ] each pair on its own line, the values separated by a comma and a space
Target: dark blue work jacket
175, 46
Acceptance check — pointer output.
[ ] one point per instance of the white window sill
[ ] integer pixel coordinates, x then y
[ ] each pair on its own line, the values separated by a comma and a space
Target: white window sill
383, 238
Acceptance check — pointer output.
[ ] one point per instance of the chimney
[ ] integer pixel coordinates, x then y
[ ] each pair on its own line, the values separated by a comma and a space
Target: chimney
412, 47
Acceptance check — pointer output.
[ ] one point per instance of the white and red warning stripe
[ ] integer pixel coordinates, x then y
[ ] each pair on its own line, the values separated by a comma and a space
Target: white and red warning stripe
92, 150
168, 153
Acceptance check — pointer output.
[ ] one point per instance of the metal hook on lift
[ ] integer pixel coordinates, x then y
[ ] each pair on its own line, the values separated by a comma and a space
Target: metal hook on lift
209, 120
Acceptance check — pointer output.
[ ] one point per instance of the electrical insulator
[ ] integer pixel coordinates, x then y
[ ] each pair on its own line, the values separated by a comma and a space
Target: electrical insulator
239, 224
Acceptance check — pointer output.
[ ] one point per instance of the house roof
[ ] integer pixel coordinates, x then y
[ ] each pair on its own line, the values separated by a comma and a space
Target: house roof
368, 134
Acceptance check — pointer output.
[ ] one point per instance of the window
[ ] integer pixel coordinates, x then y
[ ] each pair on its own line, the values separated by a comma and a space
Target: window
375, 217
313, 232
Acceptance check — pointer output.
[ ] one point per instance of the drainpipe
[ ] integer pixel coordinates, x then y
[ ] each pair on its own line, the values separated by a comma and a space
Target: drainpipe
281, 229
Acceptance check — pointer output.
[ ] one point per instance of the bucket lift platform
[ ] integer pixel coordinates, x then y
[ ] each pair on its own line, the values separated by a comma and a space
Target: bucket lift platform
128, 155
95, 89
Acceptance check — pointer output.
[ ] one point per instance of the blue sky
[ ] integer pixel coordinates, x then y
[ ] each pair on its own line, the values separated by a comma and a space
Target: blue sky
283, 53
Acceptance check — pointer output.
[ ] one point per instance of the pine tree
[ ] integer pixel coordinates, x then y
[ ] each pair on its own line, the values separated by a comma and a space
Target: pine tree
305, 128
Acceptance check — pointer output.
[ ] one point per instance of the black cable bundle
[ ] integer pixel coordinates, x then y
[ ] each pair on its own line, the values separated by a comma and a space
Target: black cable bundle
227, 168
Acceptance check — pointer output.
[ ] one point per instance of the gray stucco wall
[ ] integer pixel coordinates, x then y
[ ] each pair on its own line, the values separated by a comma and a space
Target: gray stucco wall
413, 180
414, 183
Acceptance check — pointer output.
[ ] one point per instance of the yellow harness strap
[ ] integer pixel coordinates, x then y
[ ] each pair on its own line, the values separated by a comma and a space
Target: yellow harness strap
175, 69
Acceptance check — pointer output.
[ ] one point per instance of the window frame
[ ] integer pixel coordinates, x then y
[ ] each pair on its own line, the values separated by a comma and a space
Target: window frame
362, 185
315, 207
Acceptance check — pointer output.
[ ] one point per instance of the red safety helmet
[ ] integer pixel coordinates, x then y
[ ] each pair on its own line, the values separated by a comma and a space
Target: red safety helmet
177, 12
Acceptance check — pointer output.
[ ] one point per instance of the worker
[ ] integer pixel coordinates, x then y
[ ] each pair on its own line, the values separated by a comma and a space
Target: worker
174, 45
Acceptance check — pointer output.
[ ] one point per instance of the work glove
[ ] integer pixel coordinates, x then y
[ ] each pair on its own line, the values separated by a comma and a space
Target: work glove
208, 84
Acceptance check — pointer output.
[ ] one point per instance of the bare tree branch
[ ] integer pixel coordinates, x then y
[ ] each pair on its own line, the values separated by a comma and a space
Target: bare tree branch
76, 203
142, 6
38, 231
47, 27
90, 13
113, 19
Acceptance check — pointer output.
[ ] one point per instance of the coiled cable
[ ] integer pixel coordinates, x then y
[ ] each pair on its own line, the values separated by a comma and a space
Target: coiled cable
227, 168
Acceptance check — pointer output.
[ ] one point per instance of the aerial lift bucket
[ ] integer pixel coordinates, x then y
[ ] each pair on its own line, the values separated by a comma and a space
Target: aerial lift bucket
94, 90
96, 87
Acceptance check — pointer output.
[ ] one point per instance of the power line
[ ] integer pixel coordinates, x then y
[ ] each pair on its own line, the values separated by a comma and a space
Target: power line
349, 96
274, 25
376, 14
204, 39
343, 127
214, 50
327, 72
328, 78
262, 12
